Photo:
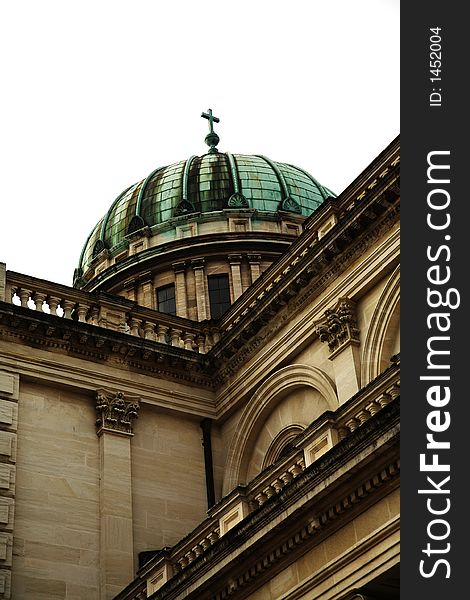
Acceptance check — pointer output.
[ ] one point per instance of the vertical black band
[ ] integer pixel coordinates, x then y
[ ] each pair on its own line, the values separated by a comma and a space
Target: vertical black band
206, 425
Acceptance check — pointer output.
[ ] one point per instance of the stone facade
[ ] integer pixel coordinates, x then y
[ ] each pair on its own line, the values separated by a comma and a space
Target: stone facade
108, 480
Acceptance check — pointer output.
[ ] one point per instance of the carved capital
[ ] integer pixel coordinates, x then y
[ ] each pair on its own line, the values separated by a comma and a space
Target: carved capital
197, 263
179, 267
115, 413
339, 326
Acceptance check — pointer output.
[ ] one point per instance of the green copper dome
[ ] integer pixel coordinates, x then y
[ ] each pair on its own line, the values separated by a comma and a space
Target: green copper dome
206, 184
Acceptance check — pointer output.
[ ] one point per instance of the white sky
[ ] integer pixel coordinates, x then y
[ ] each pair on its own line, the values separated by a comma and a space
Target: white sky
98, 93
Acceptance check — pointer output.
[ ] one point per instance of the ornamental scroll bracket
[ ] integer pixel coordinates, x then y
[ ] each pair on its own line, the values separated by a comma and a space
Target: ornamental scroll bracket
338, 328
115, 413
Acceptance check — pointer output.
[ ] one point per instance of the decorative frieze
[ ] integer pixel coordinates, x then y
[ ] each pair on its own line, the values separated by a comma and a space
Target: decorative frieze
115, 413
339, 325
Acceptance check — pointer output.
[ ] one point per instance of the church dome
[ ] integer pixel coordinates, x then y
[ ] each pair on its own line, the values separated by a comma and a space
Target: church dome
200, 186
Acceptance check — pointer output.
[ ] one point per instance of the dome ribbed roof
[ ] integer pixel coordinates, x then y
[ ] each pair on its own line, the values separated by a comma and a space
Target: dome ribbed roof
212, 182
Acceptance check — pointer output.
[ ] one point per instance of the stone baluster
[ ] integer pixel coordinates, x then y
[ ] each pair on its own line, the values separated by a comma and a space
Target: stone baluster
198, 550
213, 536
135, 326
201, 342
205, 543
53, 302
286, 477
383, 400
68, 306
183, 562
188, 340
372, 408
394, 391
149, 330
82, 311
24, 295
162, 331
352, 425
362, 416
94, 315
175, 335
277, 484
295, 470
269, 491
11, 294
39, 298
261, 498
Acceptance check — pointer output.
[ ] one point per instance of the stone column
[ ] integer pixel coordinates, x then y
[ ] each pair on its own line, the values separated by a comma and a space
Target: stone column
115, 414
201, 300
339, 330
180, 290
9, 390
235, 261
254, 260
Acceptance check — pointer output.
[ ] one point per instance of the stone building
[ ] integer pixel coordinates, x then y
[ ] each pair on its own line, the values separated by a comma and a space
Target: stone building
211, 411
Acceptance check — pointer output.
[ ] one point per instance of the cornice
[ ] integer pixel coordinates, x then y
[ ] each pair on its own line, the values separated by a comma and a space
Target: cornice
95, 343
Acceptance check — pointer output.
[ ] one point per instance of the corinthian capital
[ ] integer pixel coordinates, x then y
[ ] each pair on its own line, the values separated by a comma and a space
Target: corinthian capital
115, 413
338, 327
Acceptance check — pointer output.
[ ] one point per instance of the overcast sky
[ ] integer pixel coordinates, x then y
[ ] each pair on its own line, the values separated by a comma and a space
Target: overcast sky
98, 93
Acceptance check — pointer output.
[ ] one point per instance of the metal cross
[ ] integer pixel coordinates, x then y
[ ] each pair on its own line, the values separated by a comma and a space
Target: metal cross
212, 119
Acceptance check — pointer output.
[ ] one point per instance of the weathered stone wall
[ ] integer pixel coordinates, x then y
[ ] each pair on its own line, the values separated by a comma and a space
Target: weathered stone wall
168, 478
56, 537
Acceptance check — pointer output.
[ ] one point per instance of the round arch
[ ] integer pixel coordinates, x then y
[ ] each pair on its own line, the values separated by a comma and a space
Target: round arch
261, 404
385, 319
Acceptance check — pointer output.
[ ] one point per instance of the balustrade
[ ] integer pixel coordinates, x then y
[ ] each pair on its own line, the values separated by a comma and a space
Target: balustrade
116, 314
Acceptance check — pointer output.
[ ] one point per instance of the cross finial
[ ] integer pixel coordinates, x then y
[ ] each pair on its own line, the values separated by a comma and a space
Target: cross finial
212, 139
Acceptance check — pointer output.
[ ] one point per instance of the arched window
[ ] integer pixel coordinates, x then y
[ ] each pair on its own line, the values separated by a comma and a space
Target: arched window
281, 444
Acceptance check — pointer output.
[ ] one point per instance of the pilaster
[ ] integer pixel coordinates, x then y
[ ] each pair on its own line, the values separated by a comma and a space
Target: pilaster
254, 260
115, 415
201, 299
147, 291
235, 261
180, 289
9, 391
338, 329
